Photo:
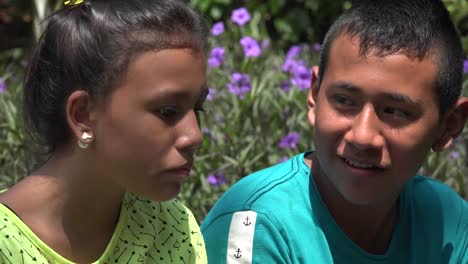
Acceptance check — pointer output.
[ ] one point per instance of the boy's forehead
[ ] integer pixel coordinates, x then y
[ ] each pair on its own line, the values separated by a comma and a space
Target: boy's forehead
351, 45
345, 51
374, 72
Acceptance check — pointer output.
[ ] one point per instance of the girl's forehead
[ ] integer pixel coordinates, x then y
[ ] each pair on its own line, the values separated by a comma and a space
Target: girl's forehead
172, 72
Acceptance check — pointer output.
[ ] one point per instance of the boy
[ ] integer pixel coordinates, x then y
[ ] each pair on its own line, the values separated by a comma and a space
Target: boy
386, 93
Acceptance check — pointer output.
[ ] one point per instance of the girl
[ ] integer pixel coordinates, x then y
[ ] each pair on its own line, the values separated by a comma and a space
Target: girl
113, 91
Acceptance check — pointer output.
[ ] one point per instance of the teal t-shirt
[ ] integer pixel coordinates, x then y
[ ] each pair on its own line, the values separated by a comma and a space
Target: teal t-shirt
277, 216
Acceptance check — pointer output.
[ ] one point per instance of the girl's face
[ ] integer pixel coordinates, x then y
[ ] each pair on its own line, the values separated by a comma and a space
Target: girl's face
148, 132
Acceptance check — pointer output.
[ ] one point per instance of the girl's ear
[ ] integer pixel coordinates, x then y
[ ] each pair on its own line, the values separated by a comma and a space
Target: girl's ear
79, 116
312, 95
452, 125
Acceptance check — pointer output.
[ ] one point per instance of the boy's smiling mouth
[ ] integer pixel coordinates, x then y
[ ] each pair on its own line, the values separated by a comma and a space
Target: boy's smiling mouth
367, 165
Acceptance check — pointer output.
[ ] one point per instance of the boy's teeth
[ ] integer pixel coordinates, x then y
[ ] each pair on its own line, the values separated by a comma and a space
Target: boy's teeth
358, 164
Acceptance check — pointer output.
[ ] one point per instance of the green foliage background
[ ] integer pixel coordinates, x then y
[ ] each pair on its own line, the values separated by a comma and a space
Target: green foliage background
241, 134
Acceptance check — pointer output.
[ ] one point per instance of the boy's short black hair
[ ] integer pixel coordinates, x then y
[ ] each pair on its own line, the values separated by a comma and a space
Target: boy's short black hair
416, 28
89, 46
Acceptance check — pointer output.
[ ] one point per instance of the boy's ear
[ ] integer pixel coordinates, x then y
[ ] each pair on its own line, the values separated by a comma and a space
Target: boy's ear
312, 95
452, 125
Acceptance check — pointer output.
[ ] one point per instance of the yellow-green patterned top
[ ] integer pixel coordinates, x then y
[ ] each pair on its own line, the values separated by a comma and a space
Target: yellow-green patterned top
147, 232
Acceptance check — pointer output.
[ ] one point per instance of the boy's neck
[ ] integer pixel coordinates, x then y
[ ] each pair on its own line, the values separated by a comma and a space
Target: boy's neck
370, 227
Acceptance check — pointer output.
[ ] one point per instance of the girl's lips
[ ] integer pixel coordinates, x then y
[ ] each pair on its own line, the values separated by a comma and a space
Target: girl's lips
183, 172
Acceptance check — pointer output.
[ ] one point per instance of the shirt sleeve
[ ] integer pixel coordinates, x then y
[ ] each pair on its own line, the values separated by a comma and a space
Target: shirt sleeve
244, 237
460, 254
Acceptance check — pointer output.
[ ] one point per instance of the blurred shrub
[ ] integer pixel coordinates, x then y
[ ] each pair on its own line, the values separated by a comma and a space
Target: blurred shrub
16, 151
286, 21
259, 72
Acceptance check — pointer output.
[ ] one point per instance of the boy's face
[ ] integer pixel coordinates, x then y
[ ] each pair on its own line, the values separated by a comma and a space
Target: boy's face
375, 120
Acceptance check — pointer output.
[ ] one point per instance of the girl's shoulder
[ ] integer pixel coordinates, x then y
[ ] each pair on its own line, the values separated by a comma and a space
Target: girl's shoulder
167, 229
19, 244
172, 211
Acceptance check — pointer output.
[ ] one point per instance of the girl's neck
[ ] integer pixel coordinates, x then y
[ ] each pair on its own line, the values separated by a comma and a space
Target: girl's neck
76, 191
68, 206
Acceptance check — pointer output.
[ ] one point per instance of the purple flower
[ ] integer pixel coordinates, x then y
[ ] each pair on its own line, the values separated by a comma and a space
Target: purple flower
289, 141
291, 62
2, 85
239, 84
316, 46
213, 62
454, 154
216, 179
293, 52
216, 57
302, 77
285, 85
290, 65
265, 43
282, 159
465, 66
251, 47
206, 130
211, 94
217, 29
240, 16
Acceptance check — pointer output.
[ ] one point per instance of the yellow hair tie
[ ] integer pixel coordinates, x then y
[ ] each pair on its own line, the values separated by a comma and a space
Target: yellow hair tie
73, 2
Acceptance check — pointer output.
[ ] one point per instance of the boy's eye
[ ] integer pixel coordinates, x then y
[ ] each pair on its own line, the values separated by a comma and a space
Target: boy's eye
341, 100
167, 111
399, 113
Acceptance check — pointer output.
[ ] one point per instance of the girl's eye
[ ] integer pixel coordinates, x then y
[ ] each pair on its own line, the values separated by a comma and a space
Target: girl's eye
172, 113
199, 110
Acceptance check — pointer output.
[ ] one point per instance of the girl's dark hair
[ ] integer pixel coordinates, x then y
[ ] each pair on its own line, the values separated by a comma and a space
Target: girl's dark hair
89, 46
416, 28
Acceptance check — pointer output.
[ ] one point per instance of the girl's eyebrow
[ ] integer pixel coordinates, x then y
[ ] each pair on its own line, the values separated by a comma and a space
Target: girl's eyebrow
172, 93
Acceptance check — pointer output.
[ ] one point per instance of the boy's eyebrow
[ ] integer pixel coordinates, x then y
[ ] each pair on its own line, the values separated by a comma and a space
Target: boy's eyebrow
400, 98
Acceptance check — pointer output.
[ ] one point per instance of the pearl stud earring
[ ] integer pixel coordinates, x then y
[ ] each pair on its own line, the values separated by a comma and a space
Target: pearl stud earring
86, 139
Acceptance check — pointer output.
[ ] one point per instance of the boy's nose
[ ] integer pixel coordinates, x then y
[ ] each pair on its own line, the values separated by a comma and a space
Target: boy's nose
365, 132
